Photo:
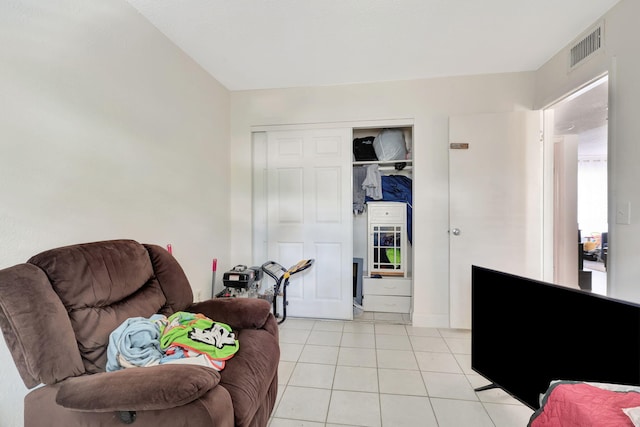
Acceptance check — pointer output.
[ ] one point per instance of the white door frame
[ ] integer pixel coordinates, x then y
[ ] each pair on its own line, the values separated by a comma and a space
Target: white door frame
550, 248
259, 161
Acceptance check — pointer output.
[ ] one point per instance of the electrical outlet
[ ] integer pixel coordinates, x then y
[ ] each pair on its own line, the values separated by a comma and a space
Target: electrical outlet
198, 296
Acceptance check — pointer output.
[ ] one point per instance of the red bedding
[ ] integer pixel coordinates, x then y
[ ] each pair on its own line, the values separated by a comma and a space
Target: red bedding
577, 404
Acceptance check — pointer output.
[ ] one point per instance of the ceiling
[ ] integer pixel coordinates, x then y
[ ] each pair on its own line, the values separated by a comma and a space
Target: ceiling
250, 44
585, 114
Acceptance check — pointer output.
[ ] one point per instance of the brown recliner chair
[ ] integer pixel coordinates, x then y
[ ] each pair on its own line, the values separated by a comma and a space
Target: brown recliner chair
58, 310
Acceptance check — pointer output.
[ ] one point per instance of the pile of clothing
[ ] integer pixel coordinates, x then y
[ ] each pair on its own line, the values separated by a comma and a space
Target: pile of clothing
180, 338
369, 185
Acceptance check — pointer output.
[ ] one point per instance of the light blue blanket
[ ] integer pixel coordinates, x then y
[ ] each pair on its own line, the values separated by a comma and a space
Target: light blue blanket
136, 342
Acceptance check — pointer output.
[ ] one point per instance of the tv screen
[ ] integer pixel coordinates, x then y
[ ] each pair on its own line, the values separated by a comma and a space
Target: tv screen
526, 333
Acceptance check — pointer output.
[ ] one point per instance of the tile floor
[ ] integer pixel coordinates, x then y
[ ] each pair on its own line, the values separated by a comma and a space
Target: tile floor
379, 371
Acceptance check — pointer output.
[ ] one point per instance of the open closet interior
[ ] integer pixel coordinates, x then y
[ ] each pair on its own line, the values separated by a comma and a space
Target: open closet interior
382, 218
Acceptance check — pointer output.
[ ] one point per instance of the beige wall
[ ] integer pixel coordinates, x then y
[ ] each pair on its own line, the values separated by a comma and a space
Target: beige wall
107, 130
621, 59
429, 103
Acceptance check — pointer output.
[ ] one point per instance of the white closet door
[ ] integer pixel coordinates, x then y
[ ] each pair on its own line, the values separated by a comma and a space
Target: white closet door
309, 216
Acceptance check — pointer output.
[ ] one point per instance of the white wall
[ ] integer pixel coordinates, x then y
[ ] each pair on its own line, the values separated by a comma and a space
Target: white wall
621, 59
429, 103
107, 130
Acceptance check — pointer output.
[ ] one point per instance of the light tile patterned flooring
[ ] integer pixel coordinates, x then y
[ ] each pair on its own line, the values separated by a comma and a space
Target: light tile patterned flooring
379, 371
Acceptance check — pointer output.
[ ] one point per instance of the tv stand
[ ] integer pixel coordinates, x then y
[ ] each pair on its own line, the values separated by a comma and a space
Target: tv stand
486, 387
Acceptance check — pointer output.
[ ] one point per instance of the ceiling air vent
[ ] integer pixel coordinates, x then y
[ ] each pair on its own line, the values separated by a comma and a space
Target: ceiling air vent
586, 46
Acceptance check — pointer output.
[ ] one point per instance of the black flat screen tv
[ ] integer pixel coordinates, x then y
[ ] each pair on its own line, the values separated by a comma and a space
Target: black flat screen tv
526, 333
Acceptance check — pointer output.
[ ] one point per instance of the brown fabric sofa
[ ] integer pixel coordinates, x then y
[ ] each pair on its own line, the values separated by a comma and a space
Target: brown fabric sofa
56, 314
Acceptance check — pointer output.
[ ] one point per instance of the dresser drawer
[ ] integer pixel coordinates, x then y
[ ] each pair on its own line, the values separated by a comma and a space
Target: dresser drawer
387, 286
386, 212
388, 304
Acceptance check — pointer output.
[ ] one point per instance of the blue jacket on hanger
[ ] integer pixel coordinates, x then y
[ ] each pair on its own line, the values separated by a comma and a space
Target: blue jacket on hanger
397, 188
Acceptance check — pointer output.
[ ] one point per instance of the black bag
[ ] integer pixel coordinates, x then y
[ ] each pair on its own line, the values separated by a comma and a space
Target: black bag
363, 150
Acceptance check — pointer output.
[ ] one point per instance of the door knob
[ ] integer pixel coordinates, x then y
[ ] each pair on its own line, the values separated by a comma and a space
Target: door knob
455, 231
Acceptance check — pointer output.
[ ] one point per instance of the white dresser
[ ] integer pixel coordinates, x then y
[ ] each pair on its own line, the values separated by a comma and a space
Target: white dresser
388, 255
387, 294
387, 238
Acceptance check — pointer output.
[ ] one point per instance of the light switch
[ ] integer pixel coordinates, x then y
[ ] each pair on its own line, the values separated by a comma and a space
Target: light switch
623, 213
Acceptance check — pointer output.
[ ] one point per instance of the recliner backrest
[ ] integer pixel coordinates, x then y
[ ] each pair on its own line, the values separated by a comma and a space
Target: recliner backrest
98, 286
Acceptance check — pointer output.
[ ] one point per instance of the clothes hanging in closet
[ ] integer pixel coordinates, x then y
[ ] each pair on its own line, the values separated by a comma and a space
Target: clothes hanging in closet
372, 183
359, 175
398, 188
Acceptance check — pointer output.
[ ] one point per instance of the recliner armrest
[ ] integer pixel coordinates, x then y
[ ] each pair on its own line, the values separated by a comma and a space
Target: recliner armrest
239, 313
25, 288
137, 389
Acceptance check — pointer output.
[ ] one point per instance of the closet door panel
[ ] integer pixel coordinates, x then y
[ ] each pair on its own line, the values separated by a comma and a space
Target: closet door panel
332, 253
290, 148
328, 201
328, 146
297, 284
290, 185
309, 216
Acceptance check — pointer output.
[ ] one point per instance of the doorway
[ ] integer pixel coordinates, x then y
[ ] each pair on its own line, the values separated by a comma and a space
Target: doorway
580, 222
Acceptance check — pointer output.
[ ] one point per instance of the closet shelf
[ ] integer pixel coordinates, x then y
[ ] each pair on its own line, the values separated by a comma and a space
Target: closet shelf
382, 163
386, 165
